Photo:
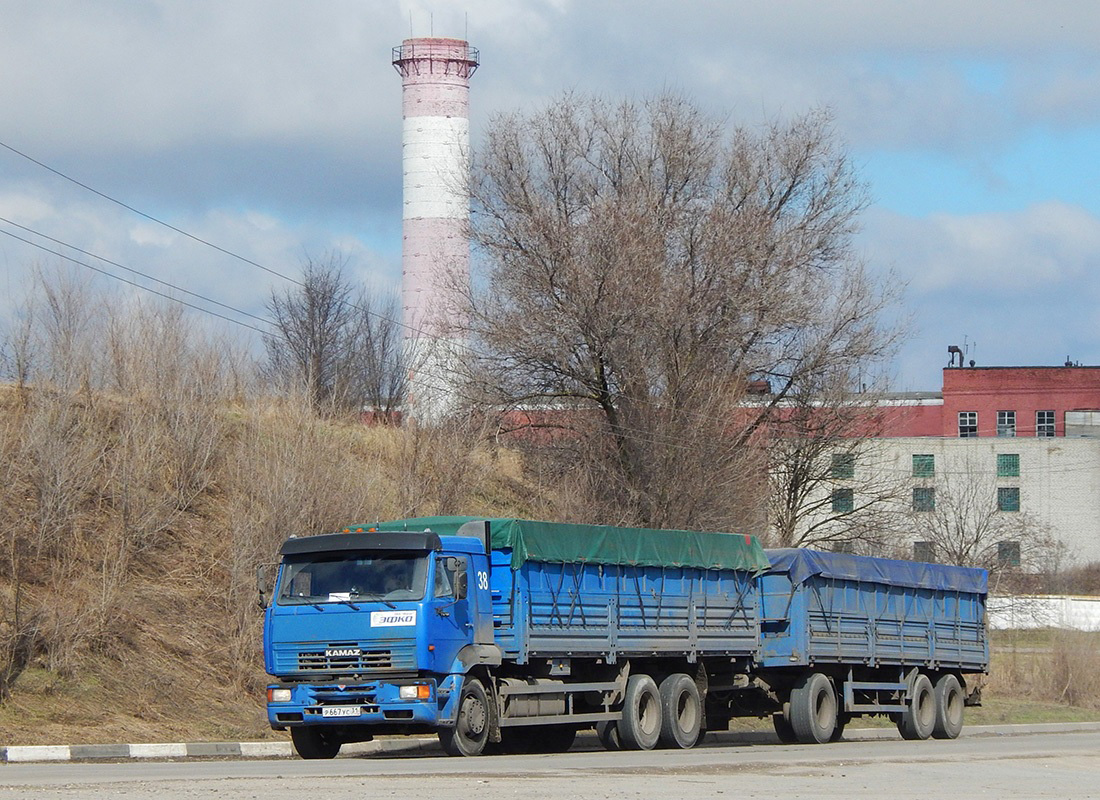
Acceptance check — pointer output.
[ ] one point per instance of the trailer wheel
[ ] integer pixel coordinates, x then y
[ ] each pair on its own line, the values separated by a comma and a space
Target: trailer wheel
608, 734
949, 708
919, 717
813, 709
783, 729
640, 726
681, 712
314, 742
471, 731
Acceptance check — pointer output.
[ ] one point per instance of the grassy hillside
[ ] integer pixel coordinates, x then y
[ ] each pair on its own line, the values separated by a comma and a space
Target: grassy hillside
132, 529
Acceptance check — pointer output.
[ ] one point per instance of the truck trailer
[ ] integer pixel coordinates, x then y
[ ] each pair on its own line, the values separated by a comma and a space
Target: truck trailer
507, 635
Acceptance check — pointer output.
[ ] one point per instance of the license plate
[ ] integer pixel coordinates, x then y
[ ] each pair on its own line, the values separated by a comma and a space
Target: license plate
340, 711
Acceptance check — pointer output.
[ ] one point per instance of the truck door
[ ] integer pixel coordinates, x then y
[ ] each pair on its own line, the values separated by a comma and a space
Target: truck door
451, 627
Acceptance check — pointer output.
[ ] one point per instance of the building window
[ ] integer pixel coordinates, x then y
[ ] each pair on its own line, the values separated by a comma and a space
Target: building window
844, 465
843, 500
1008, 499
1044, 423
924, 551
924, 465
1008, 465
1008, 554
968, 424
1006, 423
924, 499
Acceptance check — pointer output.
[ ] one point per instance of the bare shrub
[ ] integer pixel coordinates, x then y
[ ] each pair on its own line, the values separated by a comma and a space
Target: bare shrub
1048, 665
339, 344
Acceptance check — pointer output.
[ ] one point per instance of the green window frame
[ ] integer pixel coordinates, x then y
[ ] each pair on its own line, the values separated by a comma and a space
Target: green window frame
1008, 465
843, 466
924, 465
924, 499
1008, 498
1008, 554
843, 500
924, 551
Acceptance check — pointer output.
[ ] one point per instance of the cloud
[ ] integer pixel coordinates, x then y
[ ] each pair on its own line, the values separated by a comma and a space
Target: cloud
1022, 288
1044, 249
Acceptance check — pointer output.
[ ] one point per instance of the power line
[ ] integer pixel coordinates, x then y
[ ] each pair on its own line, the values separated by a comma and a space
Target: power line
123, 266
138, 285
634, 434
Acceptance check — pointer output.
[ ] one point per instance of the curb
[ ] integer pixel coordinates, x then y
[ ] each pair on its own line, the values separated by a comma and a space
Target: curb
276, 749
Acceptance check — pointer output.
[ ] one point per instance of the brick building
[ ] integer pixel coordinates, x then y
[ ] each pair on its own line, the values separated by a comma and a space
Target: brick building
1027, 437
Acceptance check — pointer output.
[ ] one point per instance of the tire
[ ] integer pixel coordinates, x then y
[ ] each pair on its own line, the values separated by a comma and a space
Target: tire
949, 707
783, 729
470, 733
640, 727
813, 709
919, 717
314, 742
681, 712
608, 734
842, 720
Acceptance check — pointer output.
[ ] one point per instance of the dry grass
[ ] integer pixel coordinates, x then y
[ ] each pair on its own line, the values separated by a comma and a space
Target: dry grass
142, 480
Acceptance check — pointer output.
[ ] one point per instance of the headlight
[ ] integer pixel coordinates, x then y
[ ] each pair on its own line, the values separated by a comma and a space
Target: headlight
278, 695
417, 691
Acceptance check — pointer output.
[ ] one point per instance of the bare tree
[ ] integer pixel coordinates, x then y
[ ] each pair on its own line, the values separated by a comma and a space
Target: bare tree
964, 525
644, 265
341, 345
832, 485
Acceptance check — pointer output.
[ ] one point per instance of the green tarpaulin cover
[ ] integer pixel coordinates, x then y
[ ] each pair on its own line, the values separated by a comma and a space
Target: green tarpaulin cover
601, 544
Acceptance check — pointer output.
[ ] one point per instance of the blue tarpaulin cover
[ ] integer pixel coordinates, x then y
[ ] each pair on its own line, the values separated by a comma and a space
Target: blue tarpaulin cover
802, 564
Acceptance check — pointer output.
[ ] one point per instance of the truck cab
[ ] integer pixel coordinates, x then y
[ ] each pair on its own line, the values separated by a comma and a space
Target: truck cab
371, 632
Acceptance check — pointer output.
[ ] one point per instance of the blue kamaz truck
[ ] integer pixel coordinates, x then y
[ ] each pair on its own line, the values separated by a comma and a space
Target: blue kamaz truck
506, 635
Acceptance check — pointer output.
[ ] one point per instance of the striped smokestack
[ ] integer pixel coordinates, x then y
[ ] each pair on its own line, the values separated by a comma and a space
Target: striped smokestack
435, 81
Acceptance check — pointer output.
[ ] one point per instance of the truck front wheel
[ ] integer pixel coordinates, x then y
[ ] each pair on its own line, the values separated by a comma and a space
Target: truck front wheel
640, 726
471, 731
314, 742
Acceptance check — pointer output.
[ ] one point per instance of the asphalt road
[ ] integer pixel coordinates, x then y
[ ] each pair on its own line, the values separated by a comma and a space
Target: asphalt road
1064, 765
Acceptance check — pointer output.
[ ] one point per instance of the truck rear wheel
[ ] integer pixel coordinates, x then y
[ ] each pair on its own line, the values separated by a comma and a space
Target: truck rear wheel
471, 731
949, 707
919, 717
640, 726
314, 742
681, 712
813, 709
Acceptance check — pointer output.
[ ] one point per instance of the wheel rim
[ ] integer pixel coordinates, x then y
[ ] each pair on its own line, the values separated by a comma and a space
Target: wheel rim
925, 709
474, 717
825, 709
954, 711
649, 713
687, 713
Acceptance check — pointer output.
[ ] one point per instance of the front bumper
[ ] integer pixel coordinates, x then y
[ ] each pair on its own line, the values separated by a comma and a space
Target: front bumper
375, 703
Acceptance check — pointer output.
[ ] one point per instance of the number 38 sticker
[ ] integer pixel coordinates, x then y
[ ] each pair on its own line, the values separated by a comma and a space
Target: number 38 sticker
482, 580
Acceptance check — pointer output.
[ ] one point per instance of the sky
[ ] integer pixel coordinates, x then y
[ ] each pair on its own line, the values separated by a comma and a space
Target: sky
272, 128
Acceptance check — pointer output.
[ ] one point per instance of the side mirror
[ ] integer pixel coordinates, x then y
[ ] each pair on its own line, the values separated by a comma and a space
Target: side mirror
460, 586
265, 581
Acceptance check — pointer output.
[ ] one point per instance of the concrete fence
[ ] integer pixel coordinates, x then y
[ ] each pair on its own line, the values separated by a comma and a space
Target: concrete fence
1044, 611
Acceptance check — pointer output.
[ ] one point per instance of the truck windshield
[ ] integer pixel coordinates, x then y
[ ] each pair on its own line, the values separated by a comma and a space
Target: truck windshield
340, 578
